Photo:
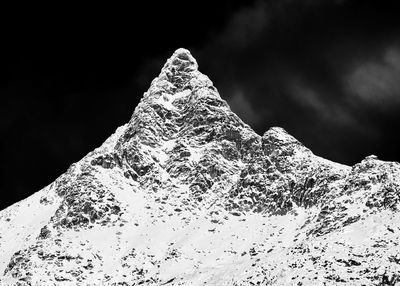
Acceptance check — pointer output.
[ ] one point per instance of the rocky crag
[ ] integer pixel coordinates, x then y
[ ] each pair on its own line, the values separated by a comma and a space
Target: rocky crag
186, 193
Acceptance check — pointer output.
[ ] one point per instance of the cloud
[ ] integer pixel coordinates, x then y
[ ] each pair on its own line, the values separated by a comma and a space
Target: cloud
243, 107
325, 109
392, 57
244, 26
378, 83
307, 97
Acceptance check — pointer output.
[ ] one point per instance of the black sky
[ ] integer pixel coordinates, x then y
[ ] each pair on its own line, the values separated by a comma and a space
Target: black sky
327, 71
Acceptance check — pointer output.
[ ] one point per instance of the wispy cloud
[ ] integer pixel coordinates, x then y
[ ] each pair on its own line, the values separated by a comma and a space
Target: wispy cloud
378, 83
242, 106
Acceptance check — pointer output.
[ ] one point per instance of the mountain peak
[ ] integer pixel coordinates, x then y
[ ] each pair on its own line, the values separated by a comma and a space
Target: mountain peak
180, 72
181, 61
188, 194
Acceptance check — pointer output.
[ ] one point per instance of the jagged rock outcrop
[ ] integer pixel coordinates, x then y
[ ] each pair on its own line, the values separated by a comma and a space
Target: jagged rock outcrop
187, 194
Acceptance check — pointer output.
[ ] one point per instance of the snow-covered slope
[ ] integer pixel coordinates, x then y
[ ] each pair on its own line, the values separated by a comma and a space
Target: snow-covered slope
188, 194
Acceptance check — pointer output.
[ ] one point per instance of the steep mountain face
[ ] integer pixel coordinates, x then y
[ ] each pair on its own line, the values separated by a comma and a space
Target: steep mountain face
188, 194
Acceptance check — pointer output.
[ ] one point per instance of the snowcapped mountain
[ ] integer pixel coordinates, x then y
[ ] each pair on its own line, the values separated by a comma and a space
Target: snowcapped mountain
186, 193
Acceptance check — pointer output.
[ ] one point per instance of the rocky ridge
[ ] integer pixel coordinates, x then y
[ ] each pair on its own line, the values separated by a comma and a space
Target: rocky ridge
186, 193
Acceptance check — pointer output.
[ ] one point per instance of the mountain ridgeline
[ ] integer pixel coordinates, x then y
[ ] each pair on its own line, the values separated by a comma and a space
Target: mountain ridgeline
186, 193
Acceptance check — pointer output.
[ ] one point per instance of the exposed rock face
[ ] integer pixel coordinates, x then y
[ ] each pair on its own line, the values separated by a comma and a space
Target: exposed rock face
188, 194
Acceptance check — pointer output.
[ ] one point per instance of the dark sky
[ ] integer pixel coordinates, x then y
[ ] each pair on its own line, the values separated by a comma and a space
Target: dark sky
327, 71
